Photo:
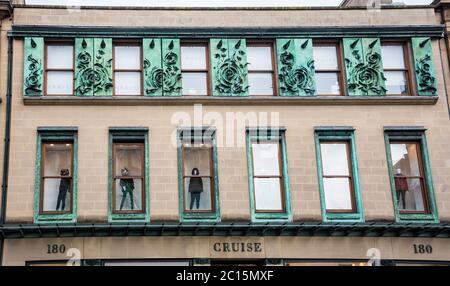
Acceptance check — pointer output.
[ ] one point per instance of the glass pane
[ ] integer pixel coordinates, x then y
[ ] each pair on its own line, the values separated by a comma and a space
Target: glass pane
260, 83
193, 57
268, 194
328, 83
405, 160
194, 83
409, 194
129, 194
393, 56
198, 194
325, 58
58, 159
129, 160
337, 193
259, 58
197, 161
265, 159
60, 83
128, 83
334, 159
57, 194
396, 82
127, 57
59, 57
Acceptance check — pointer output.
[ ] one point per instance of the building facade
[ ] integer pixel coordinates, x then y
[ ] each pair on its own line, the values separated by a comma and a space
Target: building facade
226, 136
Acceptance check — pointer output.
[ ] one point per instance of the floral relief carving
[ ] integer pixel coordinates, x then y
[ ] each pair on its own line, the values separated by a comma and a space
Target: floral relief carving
165, 78
231, 71
365, 75
96, 78
426, 80
33, 81
295, 79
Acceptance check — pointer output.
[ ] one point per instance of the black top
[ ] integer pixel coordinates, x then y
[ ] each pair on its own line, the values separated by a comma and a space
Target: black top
195, 185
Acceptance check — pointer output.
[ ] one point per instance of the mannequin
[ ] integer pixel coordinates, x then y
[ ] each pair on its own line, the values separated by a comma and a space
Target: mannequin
127, 187
64, 187
195, 188
401, 187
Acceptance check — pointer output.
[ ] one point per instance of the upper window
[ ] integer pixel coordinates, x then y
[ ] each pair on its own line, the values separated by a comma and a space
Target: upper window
338, 174
328, 68
269, 184
198, 174
127, 69
410, 174
59, 69
395, 66
194, 68
261, 68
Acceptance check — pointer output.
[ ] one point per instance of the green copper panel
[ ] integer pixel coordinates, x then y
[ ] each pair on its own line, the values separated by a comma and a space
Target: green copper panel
229, 67
363, 66
84, 66
153, 72
33, 66
172, 67
424, 66
296, 67
102, 84
374, 76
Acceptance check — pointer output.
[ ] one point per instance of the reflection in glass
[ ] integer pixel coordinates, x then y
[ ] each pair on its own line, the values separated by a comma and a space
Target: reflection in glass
129, 156
127, 57
393, 56
327, 83
57, 177
325, 57
194, 83
259, 58
193, 57
260, 83
334, 159
59, 82
265, 159
337, 193
405, 159
59, 57
267, 194
127, 83
396, 82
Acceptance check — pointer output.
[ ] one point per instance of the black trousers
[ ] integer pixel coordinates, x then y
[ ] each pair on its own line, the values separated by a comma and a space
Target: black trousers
195, 197
61, 200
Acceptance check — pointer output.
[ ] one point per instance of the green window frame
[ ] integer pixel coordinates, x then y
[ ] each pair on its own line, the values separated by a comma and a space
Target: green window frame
129, 135
278, 135
411, 134
340, 135
56, 135
202, 135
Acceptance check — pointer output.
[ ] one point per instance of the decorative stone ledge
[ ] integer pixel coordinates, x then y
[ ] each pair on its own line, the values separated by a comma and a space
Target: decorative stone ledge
250, 100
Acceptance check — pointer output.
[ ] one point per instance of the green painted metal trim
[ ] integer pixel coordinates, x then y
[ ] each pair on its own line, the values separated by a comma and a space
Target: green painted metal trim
55, 134
415, 134
269, 133
128, 133
198, 133
323, 134
33, 66
398, 31
426, 82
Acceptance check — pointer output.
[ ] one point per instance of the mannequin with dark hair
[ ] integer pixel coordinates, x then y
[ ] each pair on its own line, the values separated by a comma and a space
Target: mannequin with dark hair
195, 188
64, 188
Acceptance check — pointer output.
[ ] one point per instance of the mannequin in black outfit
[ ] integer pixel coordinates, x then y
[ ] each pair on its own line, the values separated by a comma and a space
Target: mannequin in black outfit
195, 188
64, 187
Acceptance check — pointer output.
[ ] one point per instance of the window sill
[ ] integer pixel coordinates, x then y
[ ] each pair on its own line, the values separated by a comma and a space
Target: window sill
416, 218
258, 100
